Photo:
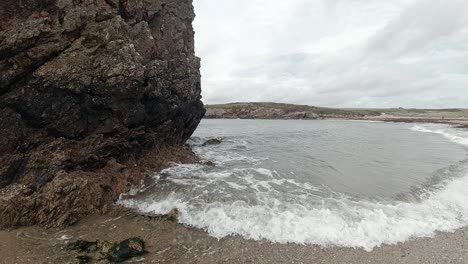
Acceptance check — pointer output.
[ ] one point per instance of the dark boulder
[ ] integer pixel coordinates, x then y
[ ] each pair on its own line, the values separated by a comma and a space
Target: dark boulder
126, 249
208, 163
213, 141
103, 250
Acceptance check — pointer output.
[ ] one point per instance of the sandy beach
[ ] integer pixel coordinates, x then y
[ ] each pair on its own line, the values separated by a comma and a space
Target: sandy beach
169, 242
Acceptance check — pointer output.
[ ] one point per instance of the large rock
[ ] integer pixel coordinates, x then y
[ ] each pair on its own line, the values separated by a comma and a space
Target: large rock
98, 251
85, 82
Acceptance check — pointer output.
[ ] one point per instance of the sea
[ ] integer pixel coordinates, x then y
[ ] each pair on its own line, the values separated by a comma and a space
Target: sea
333, 183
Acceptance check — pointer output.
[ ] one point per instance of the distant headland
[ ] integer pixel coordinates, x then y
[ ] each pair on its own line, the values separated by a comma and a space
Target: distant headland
269, 110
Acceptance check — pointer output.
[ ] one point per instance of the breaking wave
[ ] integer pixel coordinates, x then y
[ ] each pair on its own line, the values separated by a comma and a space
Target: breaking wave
260, 203
456, 135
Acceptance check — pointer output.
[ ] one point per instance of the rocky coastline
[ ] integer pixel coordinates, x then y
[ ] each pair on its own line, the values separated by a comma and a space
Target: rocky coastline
277, 111
94, 94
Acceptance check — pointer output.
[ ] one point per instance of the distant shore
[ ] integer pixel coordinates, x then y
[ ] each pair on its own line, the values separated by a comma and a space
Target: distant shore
303, 112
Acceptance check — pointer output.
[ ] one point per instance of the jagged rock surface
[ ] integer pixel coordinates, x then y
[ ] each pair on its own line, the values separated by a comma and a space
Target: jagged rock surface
84, 86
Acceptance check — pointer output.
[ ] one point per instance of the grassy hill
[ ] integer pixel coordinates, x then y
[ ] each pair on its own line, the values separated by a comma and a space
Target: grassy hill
400, 112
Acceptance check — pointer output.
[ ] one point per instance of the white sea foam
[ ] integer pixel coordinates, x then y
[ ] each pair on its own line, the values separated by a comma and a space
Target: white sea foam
364, 121
342, 222
290, 213
455, 135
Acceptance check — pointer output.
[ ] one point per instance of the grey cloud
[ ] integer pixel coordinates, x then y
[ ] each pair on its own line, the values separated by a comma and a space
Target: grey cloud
356, 53
420, 25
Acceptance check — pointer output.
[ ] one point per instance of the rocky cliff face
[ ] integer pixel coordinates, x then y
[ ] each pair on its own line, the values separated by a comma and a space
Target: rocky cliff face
86, 86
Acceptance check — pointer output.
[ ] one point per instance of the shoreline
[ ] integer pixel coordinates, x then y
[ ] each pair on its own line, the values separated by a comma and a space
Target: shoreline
279, 111
169, 242
455, 122
392, 119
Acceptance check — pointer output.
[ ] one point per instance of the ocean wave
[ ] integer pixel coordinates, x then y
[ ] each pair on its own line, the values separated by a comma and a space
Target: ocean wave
455, 135
337, 222
258, 203
363, 121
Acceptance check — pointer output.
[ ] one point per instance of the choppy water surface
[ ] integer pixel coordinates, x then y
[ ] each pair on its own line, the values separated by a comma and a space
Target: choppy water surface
332, 183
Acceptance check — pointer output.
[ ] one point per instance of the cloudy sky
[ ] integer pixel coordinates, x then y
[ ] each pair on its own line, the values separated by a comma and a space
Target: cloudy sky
347, 53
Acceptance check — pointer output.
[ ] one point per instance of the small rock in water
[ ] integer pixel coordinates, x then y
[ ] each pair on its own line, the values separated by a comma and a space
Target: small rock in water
209, 163
126, 249
213, 141
173, 215
103, 250
164, 175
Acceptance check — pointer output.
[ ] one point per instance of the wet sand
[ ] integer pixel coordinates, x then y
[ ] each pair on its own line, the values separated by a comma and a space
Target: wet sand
169, 242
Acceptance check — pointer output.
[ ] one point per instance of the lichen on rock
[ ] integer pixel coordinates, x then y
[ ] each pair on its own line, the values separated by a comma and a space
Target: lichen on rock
86, 86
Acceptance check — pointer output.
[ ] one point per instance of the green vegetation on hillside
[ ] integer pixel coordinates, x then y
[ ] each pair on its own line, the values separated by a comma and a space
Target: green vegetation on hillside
439, 113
